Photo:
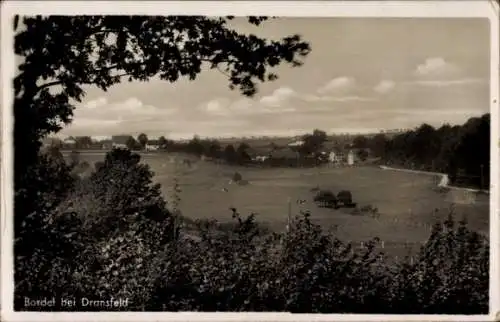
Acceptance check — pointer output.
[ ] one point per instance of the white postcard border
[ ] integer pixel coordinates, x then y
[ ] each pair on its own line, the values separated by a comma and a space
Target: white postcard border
485, 9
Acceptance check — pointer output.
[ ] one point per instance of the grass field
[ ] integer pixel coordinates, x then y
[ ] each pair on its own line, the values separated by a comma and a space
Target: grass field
407, 202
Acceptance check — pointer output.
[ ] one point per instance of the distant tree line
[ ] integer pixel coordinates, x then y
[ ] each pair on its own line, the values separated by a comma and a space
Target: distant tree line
209, 148
461, 151
307, 154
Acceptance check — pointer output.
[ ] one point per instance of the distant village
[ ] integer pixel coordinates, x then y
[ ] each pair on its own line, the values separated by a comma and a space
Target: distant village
340, 149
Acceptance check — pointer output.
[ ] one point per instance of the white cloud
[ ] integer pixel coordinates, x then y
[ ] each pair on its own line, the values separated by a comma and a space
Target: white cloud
100, 114
337, 85
385, 86
437, 72
217, 106
351, 98
436, 67
443, 83
244, 106
91, 122
340, 89
101, 101
278, 97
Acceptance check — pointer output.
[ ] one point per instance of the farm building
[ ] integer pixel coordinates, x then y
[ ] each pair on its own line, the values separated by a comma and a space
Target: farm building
259, 154
69, 143
350, 157
296, 143
106, 144
152, 145
83, 142
51, 142
120, 141
338, 156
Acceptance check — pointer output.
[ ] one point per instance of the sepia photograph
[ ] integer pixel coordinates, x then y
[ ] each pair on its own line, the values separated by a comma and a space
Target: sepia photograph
213, 162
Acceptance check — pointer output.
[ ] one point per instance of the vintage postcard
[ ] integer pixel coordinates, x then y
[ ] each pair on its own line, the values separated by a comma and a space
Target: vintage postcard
250, 160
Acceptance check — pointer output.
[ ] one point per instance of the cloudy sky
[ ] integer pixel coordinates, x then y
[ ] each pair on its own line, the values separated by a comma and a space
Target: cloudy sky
363, 74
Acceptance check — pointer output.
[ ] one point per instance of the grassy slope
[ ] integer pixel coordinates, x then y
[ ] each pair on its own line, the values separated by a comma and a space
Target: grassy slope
406, 201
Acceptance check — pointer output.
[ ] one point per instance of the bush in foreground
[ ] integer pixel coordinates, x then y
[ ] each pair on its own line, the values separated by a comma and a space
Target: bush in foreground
124, 245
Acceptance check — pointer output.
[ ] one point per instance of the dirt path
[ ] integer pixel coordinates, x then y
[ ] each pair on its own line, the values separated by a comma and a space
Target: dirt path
443, 183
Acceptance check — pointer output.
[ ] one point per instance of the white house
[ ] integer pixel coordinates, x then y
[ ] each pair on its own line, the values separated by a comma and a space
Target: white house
152, 145
261, 158
332, 157
336, 157
350, 157
296, 143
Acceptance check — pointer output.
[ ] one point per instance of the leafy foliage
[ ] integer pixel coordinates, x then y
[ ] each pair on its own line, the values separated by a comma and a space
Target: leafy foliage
41, 243
72, 51
121, 241
62, 54
142, 139
313, 142
463, 152
118, 223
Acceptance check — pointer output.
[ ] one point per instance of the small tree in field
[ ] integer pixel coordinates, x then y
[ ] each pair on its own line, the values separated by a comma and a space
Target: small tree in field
237, 177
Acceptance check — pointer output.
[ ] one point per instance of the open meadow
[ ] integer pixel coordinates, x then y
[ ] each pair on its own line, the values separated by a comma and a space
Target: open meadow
408, 203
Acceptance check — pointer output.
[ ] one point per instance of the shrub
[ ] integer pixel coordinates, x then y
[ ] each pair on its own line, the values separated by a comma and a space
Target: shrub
123, 224
450, 275
325, 198
345, 196
41, 245
237, 177
324, 195
114, 237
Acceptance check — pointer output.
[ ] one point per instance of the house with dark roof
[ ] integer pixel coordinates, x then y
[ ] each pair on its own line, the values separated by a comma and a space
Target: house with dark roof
152, 145
259, 154
297, 143
120, 141
83, 142
69, 143
106, 144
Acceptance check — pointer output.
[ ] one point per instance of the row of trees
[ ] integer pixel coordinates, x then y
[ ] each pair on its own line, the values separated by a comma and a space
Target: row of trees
142, 140
312, 144
213, 149
461, 151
